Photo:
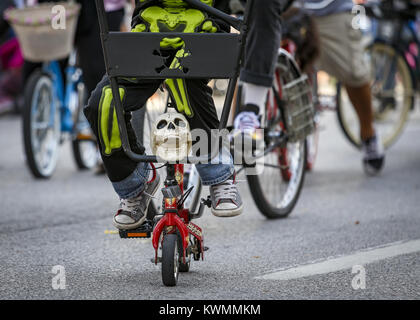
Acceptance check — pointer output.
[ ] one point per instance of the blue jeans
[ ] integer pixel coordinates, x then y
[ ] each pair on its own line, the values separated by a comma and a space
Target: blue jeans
210, 174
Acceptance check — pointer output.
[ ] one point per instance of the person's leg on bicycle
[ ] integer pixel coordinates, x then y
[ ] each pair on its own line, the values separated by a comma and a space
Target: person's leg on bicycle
131, 180
342, 56
260, 60
89, 47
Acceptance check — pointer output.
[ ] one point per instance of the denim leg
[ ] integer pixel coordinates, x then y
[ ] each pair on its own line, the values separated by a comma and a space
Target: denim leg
134, 184
215, 173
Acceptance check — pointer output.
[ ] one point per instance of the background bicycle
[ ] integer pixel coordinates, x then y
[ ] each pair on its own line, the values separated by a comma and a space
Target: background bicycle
53, 97
392, 53
395, 62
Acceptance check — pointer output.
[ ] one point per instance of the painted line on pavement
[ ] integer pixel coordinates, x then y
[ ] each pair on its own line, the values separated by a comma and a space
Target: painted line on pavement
329, 265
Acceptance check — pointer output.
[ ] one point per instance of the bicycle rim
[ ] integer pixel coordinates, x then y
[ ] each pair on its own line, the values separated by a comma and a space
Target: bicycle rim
393, 97
44, 126
84, 146
277, 187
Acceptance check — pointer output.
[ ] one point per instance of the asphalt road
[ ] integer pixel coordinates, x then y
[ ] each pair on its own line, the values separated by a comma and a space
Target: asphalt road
343, 219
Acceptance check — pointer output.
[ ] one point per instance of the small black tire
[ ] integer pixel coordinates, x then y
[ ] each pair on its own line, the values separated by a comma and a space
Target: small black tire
170, 260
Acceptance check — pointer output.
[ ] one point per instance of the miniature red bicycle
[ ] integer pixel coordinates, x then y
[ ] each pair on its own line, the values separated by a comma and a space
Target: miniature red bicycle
210, 56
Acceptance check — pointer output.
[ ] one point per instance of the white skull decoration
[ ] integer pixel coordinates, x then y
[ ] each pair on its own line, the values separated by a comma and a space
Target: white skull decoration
171, 137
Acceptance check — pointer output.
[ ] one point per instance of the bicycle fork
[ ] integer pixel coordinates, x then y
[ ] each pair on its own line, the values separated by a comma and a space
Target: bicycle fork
176, 218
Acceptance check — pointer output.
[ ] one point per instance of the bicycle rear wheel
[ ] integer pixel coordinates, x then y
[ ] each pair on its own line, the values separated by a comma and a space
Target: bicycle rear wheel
41, 125
393, 97
85, 150
276, 190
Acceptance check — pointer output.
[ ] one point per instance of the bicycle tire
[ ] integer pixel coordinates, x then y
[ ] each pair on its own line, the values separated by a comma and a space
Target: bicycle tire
408, 104
288, 71
34, 81
170, 260
263, 205
80, 158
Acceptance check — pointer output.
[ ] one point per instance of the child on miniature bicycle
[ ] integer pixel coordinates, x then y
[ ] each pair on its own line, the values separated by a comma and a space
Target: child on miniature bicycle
179, 44
134, 182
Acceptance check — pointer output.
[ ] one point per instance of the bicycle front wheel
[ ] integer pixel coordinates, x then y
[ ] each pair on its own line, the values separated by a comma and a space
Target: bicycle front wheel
170, 260
41, 125
277, 187
392, 97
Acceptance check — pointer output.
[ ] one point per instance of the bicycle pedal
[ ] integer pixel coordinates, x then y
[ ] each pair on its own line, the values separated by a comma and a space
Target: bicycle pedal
144, 232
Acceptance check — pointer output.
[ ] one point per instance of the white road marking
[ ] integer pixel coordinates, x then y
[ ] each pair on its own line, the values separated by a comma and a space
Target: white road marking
344, 262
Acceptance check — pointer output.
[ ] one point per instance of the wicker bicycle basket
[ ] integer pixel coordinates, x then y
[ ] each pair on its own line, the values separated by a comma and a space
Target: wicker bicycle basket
45, 32
299, 109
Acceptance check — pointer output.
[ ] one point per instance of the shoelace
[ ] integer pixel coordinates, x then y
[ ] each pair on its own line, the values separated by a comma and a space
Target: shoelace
130, 204
133, 203
225, 191
247, 121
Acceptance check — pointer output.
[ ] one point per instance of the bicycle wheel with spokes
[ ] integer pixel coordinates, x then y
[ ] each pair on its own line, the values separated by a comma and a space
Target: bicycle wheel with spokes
276, 190
277, 187
41, 125
392, 93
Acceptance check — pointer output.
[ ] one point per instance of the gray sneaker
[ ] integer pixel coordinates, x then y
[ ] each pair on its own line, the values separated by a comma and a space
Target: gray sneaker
225, 199
132, 212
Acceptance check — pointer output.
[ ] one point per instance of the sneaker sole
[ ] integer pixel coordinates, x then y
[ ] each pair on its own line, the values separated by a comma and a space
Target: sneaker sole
227, 213
371, 170
143, 219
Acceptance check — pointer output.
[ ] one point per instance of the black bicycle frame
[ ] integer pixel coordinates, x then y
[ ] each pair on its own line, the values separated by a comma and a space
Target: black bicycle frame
132, 54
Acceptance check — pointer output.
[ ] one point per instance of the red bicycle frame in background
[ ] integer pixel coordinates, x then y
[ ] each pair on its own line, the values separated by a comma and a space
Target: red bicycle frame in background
272, 110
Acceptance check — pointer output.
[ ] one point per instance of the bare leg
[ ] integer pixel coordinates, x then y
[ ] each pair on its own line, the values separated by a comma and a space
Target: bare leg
361, 98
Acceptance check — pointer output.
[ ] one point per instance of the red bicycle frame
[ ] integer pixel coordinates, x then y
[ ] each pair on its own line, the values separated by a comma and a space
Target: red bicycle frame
176, 217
